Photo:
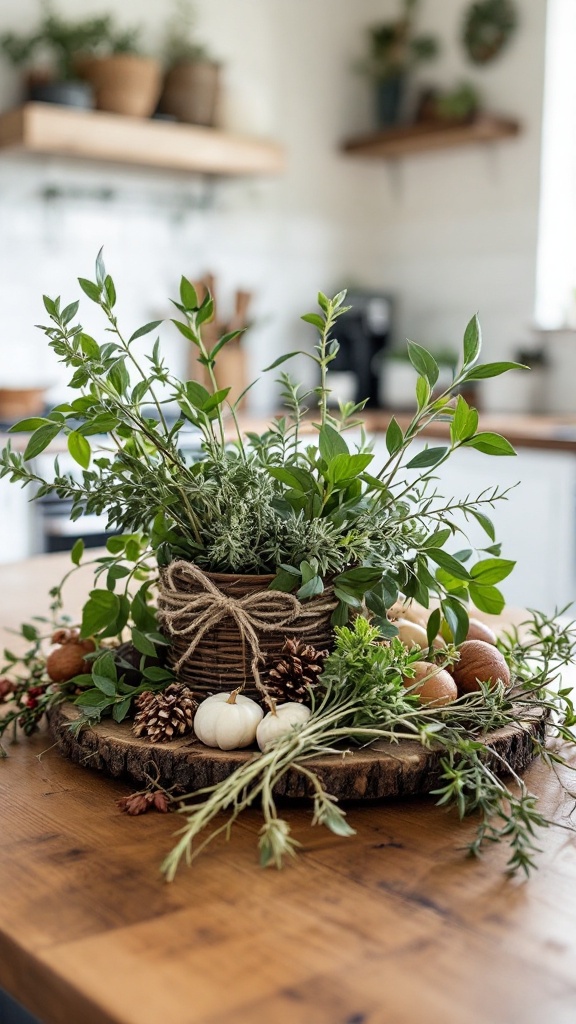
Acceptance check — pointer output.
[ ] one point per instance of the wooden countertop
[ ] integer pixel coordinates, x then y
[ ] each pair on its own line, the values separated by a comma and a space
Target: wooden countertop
551, 432
392, 926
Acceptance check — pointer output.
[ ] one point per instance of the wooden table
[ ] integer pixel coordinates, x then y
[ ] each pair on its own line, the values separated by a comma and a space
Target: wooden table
392, 926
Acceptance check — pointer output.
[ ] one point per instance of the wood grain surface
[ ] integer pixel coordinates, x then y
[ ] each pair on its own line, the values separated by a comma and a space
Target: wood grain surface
38, 128
391, 926
382, 770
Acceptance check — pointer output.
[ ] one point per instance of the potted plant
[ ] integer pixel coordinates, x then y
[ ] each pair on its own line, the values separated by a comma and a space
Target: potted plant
124, 80
394, 51
284, 564
458, 105
192, 79
49, 55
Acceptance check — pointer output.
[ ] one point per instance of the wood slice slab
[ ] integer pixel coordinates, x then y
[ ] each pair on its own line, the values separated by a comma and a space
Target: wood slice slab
382, 770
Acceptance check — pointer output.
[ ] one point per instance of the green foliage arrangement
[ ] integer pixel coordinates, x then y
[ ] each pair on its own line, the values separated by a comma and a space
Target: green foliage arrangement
180, 43
63, 40
487, 29
395, 48
296, 501
301, 501
364, 700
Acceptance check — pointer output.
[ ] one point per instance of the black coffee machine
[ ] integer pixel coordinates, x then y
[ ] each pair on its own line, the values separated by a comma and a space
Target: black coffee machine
364, 333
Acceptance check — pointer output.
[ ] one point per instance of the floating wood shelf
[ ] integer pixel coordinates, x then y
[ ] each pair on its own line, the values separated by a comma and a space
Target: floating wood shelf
44, 128
423, 138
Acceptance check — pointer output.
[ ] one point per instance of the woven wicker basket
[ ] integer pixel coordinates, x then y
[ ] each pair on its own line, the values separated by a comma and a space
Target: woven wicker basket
222, 659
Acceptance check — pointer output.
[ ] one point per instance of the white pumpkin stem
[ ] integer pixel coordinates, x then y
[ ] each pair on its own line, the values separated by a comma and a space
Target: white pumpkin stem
233, 695
271, 704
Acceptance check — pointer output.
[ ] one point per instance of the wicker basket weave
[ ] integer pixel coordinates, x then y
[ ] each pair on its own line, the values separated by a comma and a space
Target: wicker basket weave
222, 658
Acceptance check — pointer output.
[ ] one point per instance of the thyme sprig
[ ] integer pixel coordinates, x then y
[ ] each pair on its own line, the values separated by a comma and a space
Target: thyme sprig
365, 701
310, 510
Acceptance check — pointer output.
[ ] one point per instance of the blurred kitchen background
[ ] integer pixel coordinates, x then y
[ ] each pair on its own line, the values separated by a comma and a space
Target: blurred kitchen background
420, 154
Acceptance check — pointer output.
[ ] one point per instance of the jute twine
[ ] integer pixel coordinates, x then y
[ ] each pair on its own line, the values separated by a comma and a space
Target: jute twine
191, 606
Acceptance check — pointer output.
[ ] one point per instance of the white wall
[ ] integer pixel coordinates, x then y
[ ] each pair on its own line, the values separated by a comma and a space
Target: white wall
457, 230
556, 282
287, 77
449, 233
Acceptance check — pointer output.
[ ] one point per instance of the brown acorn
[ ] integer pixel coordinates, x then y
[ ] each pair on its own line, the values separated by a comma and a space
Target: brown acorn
68, 659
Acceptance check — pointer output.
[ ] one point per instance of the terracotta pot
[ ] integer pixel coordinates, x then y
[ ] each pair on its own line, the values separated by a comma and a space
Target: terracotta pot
18, 402
123, 83
191, 92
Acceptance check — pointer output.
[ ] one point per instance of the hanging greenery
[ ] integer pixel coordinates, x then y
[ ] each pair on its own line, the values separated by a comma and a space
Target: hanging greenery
488, 28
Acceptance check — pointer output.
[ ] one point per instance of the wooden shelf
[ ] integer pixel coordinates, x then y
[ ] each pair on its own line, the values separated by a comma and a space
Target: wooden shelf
44, 128
409, 140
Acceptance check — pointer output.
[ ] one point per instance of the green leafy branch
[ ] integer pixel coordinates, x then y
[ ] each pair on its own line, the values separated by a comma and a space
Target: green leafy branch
365, 701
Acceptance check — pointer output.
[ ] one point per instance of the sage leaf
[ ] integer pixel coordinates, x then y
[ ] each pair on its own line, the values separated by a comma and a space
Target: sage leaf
472, 341
41, 438
90, 289
121, 709
456, 617
188, 296
312, 588
394, 437
331, 443
490, 444
143, 644
26, 426
485, 522
429, 457
100, 610
448, 563
77, 551
314, 319
487, 599
79, 448
492, 570
146, 329
282, 359
423, 362
492, 370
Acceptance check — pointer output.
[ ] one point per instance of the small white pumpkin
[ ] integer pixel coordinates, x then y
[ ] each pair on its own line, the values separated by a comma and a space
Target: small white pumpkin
281, 720
227, 720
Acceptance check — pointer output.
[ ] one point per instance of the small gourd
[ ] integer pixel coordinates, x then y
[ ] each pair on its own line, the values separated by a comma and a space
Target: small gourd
413, 635
433, 685
279, 721
227, 720
67, 660
408, 610
480, 631
479, 662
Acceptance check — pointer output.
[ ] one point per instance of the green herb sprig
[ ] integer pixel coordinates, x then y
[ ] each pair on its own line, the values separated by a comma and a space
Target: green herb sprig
297, 501
365, 701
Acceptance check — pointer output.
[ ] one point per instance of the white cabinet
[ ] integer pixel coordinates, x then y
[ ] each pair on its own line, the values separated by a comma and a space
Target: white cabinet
536, 524
17, 523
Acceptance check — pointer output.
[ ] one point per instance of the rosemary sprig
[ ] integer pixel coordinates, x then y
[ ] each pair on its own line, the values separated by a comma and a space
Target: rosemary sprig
365, 701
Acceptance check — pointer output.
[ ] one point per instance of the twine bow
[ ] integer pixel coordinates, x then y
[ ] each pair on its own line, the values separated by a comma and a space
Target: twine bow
185, 614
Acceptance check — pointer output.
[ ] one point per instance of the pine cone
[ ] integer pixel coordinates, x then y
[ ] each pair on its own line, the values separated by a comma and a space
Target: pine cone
298, 669
166, 715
